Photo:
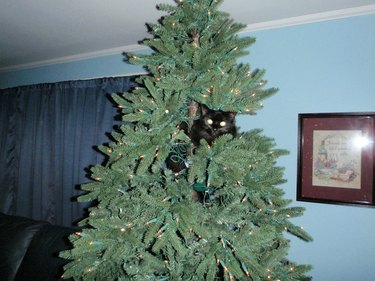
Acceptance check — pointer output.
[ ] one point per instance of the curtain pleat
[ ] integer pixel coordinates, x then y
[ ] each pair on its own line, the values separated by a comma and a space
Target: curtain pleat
48, 135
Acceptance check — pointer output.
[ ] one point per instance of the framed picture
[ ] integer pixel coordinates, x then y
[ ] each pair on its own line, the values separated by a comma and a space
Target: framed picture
336, 158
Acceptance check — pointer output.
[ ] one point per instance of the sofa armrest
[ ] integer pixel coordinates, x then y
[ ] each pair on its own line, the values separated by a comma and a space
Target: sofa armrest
41, 262
16, 234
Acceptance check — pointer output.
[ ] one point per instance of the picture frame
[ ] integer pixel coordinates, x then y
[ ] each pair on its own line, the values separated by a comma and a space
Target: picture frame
336, 158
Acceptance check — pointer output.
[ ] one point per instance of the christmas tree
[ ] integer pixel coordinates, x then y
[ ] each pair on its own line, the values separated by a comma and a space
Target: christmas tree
149, 223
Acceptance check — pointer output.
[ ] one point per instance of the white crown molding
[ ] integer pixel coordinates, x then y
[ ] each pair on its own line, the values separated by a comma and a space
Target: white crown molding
312, 18
318, 17
73, 58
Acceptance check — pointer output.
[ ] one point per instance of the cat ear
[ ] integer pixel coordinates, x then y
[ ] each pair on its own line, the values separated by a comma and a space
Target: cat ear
232, 115
204, 109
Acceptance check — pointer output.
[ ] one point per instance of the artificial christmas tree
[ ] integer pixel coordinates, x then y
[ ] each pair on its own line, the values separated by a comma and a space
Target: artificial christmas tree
149, 223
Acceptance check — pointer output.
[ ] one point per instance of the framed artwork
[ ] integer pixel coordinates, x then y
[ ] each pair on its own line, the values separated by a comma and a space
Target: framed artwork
336, 158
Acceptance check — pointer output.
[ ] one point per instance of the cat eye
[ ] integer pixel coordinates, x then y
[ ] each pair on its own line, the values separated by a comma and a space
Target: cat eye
222, 123
210, 122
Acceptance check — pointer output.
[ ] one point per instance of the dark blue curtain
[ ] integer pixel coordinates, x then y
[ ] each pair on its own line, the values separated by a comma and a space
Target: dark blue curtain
48, 135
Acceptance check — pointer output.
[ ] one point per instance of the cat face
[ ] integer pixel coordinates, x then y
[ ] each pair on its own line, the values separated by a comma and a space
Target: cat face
217, 122
212, 124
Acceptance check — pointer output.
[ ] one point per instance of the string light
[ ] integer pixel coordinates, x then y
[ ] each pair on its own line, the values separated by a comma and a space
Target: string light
166, 198
224, 267
269, 277
235, 91
151, 221
119, 190
245, 269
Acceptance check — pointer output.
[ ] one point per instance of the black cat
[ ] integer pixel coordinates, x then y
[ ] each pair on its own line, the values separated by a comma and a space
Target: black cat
212, 124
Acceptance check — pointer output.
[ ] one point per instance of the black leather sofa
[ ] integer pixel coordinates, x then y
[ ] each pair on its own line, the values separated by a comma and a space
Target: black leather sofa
29, 249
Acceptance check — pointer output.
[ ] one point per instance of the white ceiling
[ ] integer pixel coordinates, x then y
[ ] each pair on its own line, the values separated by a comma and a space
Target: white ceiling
42, 31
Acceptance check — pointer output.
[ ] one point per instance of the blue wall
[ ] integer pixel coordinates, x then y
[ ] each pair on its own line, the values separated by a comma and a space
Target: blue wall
320, 67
